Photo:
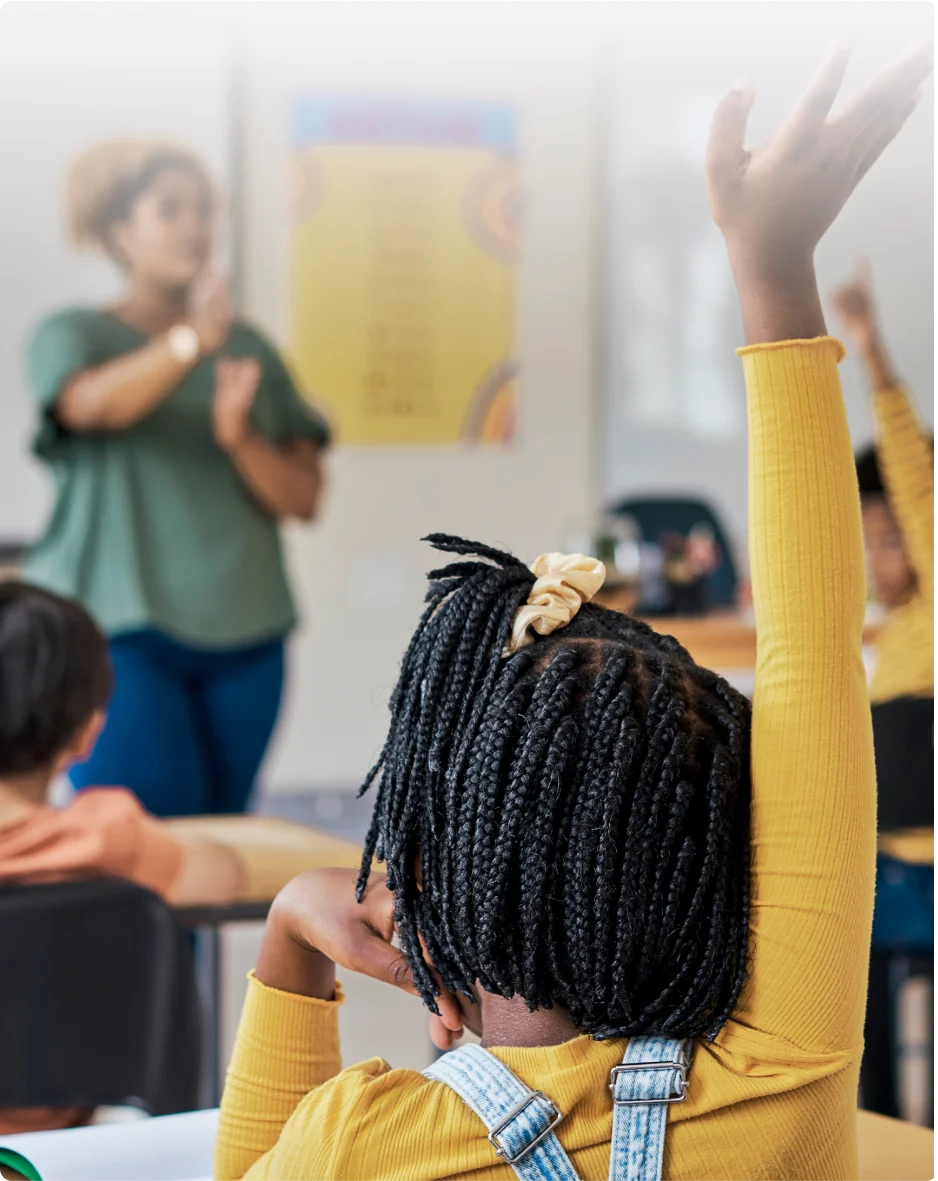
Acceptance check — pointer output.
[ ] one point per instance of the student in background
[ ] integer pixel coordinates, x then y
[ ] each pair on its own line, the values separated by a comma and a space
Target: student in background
178, 442
55, 683
897, 488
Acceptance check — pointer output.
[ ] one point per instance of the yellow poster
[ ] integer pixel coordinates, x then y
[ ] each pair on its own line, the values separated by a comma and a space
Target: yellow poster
403, 252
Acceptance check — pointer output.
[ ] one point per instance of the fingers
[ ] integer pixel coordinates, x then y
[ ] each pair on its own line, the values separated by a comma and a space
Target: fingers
810, 111
442, 1037
450, 1013
890, 90
375, 957
238, 375
862, 274
887, 134
726, 146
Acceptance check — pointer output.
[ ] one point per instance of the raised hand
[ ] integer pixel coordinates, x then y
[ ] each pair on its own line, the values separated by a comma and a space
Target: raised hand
210, 312
775, 203
236, 382
853, 302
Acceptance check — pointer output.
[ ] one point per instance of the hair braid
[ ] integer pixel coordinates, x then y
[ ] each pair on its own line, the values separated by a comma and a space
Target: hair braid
571, 824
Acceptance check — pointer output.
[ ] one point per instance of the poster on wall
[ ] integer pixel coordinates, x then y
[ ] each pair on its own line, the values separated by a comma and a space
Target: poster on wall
404, 243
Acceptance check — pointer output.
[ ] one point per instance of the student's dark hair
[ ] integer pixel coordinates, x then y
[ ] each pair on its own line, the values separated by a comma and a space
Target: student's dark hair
869, 473
869, 476
54, 673
580, 811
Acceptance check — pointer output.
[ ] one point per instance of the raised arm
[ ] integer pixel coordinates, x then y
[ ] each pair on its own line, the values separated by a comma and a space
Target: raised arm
905, 453
813, 809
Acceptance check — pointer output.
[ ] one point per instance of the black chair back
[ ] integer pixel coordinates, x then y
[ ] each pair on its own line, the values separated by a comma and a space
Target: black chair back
98, 1003
904, 741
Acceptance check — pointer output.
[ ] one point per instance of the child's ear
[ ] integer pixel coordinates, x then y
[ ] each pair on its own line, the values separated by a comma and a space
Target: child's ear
83, 741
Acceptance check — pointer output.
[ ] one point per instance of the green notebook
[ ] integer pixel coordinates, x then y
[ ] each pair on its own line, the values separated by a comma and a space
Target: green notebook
14, 1164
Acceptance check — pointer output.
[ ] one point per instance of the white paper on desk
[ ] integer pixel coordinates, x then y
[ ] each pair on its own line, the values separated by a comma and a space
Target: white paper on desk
167, 1148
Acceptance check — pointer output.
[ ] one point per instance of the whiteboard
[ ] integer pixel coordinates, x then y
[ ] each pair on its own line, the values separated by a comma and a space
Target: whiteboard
63, 86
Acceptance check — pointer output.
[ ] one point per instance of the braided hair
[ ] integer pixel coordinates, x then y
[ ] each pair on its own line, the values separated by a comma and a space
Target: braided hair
571, 824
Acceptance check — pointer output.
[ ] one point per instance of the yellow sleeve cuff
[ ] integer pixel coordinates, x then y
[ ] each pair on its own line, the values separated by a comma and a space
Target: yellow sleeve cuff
817, 343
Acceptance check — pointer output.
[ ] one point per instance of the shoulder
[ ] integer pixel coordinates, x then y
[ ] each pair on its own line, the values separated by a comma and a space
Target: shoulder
68, 331
375, 1087
106, 805
71, 320
353, 1116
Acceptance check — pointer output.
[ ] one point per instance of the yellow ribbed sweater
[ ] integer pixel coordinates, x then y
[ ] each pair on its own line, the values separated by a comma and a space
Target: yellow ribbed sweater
775, 1095
905, 657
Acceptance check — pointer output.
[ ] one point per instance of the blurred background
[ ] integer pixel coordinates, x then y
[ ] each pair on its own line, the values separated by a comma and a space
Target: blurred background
623, 321
605, 303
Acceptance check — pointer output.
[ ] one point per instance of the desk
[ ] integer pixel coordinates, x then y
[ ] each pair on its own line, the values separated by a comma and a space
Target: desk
724, 640
914, 846
273, 852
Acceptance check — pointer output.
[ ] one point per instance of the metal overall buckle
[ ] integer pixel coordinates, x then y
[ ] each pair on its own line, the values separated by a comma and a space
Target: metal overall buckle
556, 1115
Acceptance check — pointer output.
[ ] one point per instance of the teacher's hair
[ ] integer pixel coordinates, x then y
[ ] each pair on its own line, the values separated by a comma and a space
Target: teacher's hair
104, 182
571, 824
55, 672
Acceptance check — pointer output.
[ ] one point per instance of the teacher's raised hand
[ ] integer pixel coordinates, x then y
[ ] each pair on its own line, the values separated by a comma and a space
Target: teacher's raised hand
209, 312
775, 203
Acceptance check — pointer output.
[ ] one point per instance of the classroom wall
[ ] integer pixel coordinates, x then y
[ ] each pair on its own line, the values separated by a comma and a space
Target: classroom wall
614, 101
673, 403
359, 574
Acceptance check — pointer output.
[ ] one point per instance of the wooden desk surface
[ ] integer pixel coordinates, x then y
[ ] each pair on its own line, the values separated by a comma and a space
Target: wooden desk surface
915, 846
724, 641
273, 851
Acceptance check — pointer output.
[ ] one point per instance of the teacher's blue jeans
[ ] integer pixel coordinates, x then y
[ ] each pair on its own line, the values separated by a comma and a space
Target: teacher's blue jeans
188, 727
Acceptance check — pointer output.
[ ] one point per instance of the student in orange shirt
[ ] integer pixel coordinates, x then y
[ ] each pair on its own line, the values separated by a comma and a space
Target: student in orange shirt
55, 683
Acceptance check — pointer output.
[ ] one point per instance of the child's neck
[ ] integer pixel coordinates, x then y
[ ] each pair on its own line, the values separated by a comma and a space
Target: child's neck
509, 1022
22, 794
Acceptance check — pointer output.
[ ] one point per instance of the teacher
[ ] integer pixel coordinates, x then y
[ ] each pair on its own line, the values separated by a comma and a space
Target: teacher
177, 442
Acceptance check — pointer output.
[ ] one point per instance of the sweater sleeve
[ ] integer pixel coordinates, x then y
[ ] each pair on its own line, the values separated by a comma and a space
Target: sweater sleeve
813, 779
286, 1047
907, 463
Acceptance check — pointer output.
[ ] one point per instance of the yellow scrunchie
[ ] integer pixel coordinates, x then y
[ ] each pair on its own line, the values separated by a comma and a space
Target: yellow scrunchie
564, 583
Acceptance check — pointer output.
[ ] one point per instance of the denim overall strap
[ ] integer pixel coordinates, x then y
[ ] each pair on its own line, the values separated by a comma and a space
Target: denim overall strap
520, 1121
652, 1074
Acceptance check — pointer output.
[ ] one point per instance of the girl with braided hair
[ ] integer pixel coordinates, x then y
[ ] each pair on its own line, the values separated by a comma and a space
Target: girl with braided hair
598, 858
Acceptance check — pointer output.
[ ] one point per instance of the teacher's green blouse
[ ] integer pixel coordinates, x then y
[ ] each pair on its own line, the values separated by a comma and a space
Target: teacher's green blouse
152, 526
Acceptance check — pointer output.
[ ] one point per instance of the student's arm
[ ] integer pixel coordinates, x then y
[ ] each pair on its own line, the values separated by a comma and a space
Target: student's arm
813, 784
288, 1041
114, 396
904, 451
907, 463
210, 875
